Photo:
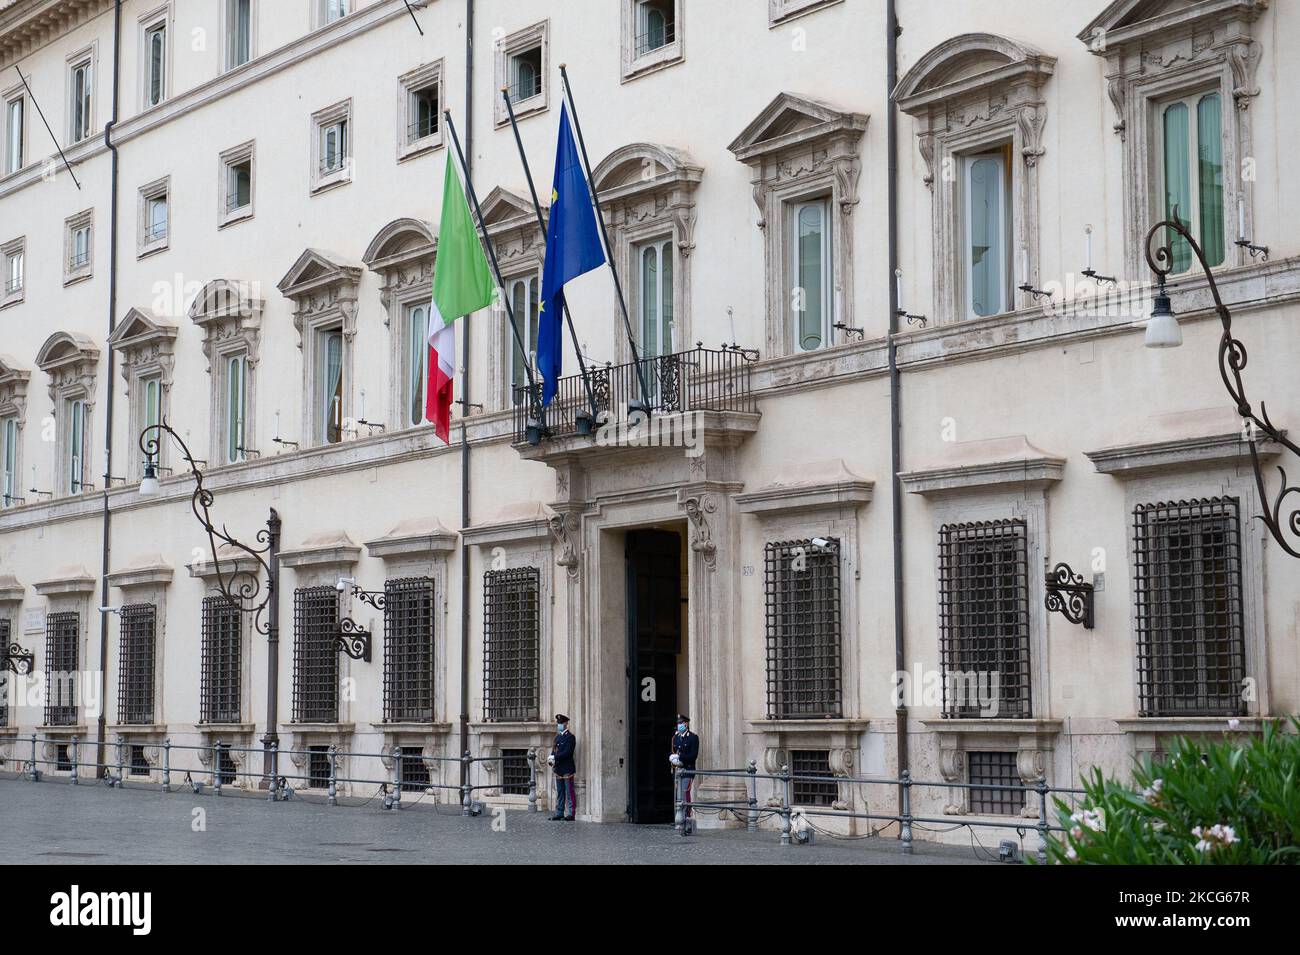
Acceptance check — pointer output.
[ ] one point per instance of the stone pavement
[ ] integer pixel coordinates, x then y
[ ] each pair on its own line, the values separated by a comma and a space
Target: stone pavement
53, 822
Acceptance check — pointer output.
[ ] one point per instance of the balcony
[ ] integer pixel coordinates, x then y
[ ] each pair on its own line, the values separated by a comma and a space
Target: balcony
699, 380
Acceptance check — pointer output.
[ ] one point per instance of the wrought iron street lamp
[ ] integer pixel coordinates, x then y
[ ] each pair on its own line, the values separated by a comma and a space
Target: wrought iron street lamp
242, 587
1163, 332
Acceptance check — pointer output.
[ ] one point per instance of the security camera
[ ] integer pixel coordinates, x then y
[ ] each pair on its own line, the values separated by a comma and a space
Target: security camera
822, 545
116, 610
344, 583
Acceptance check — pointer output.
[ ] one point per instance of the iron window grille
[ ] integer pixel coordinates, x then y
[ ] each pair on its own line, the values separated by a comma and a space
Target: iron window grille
318, 767
315, 655
425, 106
219, 691
62, 634
4, 674
415, 772
226, 767
996, 770
62, 759
514, 772
660, 33
1188, 588
135, 662
984, 619
511, 644
809, 792
408, 650
802, 584
139, 761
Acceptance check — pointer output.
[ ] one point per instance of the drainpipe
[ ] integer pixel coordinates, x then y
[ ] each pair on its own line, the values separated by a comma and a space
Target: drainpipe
109, 391
464, 430
895, 382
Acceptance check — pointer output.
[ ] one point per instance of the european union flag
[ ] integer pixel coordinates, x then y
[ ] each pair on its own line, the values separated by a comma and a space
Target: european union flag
572, 248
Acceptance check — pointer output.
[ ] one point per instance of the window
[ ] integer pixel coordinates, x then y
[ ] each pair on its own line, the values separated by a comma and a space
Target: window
802, 587
236, 186
14, 132
319, 769
523, 294
329, 386
9, 490
984, 619
226, 768
135, 692
811, 792
235, 407
651, 36
81, 92
408, 650
154, 62
327, 11
417, 362
523, 69
514, 772
149, 407
4, 675
332, 146
62, 636
219, 684
155, 217
419, 110
239, 32
511, 644
995, 769
78, 245
13, 255
656, 25
812, 285
74, 435
655, 297
986, 184
415, 771
315, 655
1191, 131
1188, 588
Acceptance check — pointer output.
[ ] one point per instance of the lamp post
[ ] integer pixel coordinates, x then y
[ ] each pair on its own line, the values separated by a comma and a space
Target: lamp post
242, 588
1163, 332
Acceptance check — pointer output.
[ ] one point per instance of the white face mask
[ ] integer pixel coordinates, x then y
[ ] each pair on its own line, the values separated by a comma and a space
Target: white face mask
559, 727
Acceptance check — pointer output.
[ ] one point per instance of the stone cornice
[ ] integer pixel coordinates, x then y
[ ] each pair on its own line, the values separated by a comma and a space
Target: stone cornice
1190, 453
151, 571
811, 488
11, 591
67, 580
981, 465
330, 549
525, 522
1174, 22
414, 538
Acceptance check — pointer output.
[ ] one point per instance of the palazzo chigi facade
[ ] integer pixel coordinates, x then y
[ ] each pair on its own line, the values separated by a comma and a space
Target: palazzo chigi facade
903, 388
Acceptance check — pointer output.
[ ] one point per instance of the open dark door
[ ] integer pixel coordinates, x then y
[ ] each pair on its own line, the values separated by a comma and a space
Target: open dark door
654, 640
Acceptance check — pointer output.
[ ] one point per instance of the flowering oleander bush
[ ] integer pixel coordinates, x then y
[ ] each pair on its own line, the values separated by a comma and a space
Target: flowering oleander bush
1233, 802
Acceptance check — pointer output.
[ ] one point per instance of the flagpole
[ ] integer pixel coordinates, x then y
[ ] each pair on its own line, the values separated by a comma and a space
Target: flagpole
535, 405
541, 224
609, 249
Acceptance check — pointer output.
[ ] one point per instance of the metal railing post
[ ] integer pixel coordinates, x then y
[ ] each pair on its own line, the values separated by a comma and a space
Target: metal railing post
532, 780
121, 764
905, 820
679, 810
76, 754
216, 767
785, 805
751, 822
466, 789
35, 774
397, 777
274, 789
167, 765
1041, 787
334, 776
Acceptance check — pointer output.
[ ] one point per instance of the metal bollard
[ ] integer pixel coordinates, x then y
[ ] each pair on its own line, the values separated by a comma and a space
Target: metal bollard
1041, 787
397, 777
905, 821
167, 765
121, 761
216, 767
34, 774
532, 780
679, 809
76, 753
273, 789
466, 789
334, 777
785, 806
751, 824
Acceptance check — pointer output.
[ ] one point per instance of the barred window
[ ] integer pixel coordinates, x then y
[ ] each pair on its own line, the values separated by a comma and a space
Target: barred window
138, 629
511, 644
984, 619
415, 771
62, 634
318, 767
4, 674
514, 772
1187, 584
995, 769
408, 650
63, 758
802, 583
139, 761
315, 655
226, 767
810, 792
219, 676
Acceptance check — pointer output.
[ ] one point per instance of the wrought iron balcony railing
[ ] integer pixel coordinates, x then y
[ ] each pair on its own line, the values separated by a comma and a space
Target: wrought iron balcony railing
702, 379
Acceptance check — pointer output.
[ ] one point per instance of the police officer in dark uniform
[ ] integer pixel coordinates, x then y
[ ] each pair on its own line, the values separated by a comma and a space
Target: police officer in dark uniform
686, 750
562, 761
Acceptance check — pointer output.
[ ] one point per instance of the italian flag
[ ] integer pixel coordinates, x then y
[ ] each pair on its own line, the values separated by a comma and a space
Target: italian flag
462, 283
